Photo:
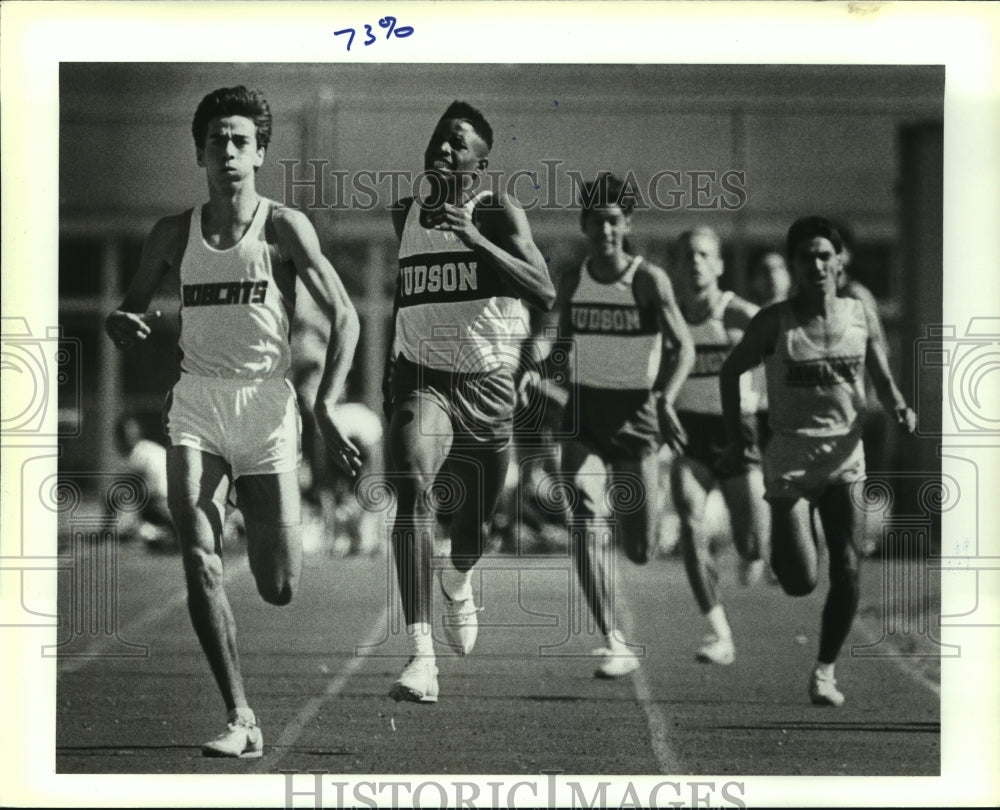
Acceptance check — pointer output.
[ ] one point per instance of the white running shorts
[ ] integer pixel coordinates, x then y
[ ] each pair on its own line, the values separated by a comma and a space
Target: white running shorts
254, 425
803, 466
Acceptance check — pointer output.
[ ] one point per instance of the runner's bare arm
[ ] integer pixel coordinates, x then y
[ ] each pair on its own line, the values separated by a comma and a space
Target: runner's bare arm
758, 342
506, 240
297, 239
127, 325
653, 288
877, 364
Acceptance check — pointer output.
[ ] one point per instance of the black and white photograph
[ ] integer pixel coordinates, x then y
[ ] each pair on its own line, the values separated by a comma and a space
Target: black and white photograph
665, 481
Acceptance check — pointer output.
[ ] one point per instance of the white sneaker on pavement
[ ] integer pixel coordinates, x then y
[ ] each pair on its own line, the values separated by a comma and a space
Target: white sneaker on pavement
716, 650
618, 660
418, 682
823, 690
460, 619
241, 739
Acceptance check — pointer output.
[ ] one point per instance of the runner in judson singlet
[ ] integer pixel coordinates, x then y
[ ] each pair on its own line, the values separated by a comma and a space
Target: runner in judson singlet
631, 353
466, 263
231, 418
716, 319
815, 347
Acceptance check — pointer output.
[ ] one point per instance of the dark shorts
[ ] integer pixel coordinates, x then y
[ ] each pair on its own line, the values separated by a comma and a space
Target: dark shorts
480, 405
763, 428
706, 440
621, 425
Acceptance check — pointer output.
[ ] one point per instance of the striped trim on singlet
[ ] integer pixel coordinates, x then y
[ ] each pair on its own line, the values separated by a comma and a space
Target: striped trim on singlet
453, 310
618, 345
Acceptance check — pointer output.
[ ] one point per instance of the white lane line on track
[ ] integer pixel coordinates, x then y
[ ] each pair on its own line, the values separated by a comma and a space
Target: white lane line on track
134, 629
906, 664
293, 730
656, 722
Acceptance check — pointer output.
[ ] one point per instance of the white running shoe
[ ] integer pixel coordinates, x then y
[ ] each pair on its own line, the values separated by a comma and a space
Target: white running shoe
716, 650
751, 571
418, 682
242, 739
460, 620
823, 690
617, 662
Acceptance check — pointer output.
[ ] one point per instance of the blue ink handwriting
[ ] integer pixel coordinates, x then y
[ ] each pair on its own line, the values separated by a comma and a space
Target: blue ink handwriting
386, 22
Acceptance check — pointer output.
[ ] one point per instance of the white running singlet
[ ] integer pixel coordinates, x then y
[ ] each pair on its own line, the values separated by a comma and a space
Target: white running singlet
454, 313
814, 391
618, 345
236, 305
714, 339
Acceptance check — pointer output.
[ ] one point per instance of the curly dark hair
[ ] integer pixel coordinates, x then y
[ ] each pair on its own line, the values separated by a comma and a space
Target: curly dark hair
810, 228
233, 101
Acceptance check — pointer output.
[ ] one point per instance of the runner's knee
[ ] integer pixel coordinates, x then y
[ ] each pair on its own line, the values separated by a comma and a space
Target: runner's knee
203, 570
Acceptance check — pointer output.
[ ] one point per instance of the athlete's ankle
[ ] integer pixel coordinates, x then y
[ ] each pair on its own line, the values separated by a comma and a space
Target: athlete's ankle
421, 640
457, 584
824, 669
720, 624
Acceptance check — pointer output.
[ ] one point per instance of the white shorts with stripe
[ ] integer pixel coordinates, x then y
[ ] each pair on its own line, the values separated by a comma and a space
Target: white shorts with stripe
254, 425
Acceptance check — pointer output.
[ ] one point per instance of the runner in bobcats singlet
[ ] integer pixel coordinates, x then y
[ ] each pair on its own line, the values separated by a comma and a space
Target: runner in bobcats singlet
816, 348
631, 354
466, 262
236, 304
716, 320
232, 418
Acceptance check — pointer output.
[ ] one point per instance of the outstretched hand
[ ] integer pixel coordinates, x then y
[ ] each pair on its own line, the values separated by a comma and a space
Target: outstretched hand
340, 448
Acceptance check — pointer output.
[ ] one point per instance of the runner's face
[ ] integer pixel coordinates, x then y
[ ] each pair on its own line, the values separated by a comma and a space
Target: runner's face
455, 148
606, 229
817, 265
701, 264
230, 152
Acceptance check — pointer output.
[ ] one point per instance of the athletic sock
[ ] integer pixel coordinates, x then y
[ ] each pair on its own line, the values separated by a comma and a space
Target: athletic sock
242, 713
457, 584
824, 670
720, 626
421, 640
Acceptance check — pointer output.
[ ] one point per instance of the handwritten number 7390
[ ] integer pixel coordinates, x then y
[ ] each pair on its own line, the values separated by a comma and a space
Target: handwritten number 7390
389, 23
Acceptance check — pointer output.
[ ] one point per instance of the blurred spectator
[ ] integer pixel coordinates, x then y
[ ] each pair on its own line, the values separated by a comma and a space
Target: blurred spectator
146, 459
356, 530
770, 280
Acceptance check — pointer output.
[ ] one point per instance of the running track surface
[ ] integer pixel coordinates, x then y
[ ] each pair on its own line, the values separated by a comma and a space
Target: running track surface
318, 671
